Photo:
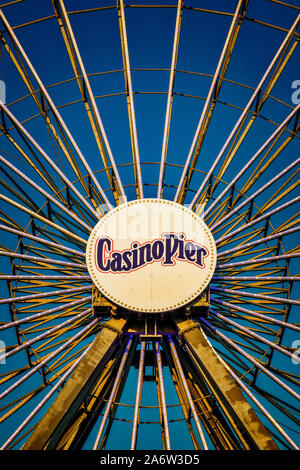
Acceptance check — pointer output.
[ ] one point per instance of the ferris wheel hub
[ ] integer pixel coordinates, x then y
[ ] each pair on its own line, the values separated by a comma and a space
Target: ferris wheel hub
151, 256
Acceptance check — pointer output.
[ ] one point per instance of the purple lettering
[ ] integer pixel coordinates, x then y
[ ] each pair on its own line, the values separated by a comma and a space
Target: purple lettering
103, 245
169, 249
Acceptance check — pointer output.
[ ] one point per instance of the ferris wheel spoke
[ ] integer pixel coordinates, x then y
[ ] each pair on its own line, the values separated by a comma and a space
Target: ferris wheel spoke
48, 358
267, 270
216, 213
187, 392
247, 237
169, 106
40, 262
67, 360
251, 253
49, 332
255, 261
264, 286
247, 217
241, 339
45, 277
44, 400
259, 191
210, 102
54, 109
162, 400
56, 340
46, 313
47, 195
229, 226
63, 363
278, 196
40, 168
253, 313
40, 269
14, 188
91, 109
244, 114
233, 358
62, 175
64, 146
260, 170
261, 407
23, 436
292, 378
234, 278
51, 213
113, 392
251, 359
66, 357
274, 136
256, 304
228, 359
47, 221
57, 246
63, 221
257, 296
257, 172
138, 396
42, 304
44, 294
254, 324
288, 223
267, 215
285, 407
239, 248
130, 101
281, 349
15, 405
50, 261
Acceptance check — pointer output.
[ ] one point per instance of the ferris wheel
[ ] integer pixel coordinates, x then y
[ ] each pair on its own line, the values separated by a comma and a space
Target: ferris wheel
186, 108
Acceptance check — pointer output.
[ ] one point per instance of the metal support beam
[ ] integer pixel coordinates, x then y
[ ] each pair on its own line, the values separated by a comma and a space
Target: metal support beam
188, 394
255, 194
60, 413
162, 400
169, 100
54, 111
274, 137
210, 102
91, 107
237, 409
44, 400
130, 102
243, 116
258, 219
138, 396
113, 393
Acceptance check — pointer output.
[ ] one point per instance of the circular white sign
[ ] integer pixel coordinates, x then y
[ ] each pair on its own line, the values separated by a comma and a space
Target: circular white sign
151, 255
